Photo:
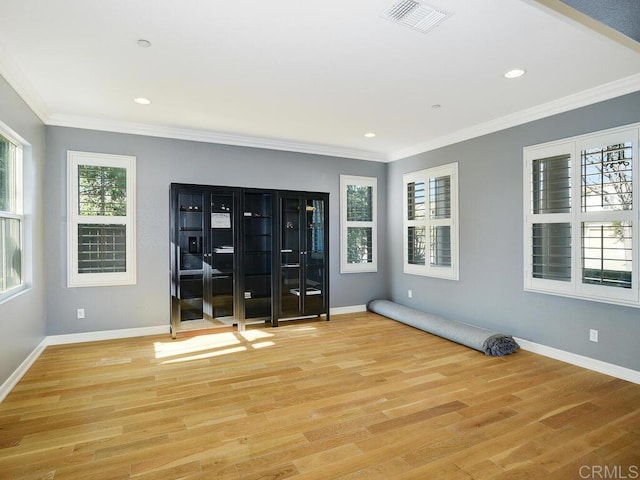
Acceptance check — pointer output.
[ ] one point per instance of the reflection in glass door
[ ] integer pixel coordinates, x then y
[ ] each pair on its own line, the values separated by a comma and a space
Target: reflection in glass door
290, 300
222, 257
314, 257
190, 258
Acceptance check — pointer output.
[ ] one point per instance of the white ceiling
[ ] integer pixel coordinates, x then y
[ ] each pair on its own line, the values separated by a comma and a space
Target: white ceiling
305, 75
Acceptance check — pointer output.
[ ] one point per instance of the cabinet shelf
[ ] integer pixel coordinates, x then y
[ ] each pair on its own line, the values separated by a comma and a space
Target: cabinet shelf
191, 272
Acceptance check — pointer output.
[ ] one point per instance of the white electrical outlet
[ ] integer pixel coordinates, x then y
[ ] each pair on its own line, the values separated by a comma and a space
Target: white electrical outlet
409, 293
593, 335
81, 313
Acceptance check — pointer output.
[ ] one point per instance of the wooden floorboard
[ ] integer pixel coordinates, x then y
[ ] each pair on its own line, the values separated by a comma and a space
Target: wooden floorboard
359, 397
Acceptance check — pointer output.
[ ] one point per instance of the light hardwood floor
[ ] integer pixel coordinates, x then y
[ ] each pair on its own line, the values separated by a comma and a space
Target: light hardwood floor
359, 397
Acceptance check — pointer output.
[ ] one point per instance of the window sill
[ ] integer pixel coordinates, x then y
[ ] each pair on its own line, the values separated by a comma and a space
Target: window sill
13, 293
591, 298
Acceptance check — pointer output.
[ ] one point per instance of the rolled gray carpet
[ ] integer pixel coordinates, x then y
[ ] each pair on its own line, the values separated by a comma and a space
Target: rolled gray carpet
491, 343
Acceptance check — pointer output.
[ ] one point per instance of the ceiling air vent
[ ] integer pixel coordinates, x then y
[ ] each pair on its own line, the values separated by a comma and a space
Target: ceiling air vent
416, 15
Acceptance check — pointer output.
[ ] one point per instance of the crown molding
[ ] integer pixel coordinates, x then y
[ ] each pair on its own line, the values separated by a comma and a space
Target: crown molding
16, 78
91, 123
601, 93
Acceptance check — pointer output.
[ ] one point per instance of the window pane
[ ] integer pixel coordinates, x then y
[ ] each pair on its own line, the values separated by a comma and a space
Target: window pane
415, 200
440, 253
102, 191
102, 248
607, 178
359, 245
552, 185
607, 253
440, 197
551, 257
7, 175
416, 245
10, 254
359, 203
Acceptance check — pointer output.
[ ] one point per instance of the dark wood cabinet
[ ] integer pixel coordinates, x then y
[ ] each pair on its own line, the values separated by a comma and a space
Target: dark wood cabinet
203, 257
303, 281
243, 255
256, 244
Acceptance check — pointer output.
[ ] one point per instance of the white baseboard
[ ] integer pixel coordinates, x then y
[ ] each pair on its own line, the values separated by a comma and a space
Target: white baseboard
106, 335
581, 361
350, 309
19, 372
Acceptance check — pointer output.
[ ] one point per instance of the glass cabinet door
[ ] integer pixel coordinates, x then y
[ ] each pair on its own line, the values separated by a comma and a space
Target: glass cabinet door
290, 298
314, 256
222, 256
257, 254
303, 256
191, 255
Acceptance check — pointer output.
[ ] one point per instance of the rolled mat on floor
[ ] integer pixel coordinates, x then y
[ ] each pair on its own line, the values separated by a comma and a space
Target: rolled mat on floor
491, 343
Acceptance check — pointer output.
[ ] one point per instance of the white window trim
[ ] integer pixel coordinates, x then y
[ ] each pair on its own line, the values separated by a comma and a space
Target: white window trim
75, 279
18, 210
372, 266
452, 272
575, 288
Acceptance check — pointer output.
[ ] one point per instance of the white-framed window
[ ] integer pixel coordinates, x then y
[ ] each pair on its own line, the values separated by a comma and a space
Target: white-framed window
101, 219
358, 224
11, 216
431, 222
581, 217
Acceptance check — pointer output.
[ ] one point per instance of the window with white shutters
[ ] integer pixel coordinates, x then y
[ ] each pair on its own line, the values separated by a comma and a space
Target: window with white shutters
431, 223
581, 217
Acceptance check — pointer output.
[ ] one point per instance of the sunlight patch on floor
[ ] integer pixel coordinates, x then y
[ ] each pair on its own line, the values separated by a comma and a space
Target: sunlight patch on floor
209, 345
251, 335
195, 344
203, 356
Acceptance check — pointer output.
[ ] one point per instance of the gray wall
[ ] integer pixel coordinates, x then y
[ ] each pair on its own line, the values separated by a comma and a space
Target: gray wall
23, 317
163, 161
490, 291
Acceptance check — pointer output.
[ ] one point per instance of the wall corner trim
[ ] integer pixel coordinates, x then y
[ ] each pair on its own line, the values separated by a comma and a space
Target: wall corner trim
19, 372
581, 361
349, 309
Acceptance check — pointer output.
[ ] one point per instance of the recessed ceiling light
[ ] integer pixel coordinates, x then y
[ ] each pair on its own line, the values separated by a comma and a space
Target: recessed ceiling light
515, 73
436, 106
142, 100
144, 43
370, 135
